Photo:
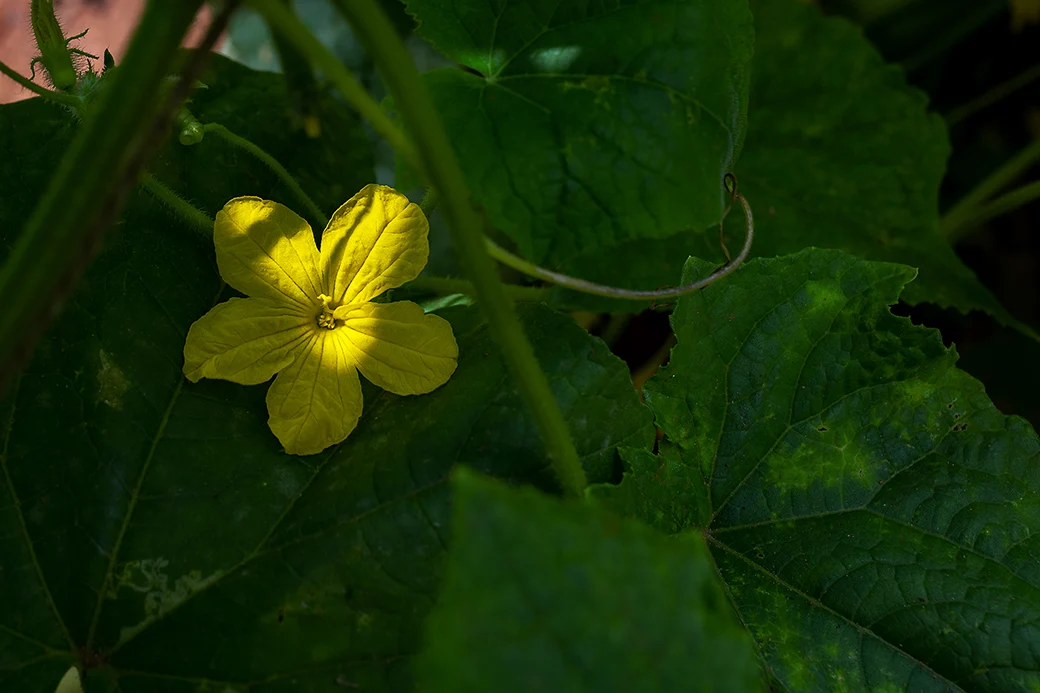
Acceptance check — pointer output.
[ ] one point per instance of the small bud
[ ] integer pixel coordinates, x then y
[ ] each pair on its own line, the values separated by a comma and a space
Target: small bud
54, 50
191, 130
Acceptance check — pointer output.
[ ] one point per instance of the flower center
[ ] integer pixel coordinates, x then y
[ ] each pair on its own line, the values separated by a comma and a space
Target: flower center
325, 317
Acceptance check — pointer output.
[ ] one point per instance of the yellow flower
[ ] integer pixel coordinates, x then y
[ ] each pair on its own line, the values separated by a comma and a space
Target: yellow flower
309, 318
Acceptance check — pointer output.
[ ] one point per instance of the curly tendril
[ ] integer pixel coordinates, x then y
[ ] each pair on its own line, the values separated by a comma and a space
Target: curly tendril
729, 181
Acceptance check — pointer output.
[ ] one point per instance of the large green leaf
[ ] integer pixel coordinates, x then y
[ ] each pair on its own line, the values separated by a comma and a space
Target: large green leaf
841, 153
875, 519
153, 531
577, 600
587, 124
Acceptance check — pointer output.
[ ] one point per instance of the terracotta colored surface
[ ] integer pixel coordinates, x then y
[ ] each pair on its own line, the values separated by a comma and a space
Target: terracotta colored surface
110, 22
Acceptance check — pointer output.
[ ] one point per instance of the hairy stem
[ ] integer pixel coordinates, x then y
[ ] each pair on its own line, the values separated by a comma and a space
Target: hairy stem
271, 163
189, 213
67, 100
283, 21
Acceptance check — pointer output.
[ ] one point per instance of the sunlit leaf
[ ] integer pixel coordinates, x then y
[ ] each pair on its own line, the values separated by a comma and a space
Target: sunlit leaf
874, 517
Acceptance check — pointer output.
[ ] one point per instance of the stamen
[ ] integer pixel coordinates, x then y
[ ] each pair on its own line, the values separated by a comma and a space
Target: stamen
325, 317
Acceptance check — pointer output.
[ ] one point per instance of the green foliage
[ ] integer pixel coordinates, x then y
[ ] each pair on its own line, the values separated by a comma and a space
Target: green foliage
166, 512
829, 504
873, 516
577, 600
840, 153
588, 126
848, 159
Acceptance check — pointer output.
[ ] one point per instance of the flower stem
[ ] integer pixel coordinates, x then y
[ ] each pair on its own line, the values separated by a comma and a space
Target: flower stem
57, 97
272, 163
438, 164
195, 217
952, 225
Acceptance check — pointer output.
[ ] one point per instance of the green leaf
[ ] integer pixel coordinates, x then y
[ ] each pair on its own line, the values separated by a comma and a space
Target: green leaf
841, 153
588, 126
153, 531
876, 520
576, 600
34, 135
663, 490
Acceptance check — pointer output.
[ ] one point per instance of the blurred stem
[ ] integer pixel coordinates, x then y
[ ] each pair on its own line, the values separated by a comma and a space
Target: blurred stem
1001, 91
954, 219
438, 164
57, 97
1002, 205
192, 215
283, 21
87, 190
271, 163
303, 88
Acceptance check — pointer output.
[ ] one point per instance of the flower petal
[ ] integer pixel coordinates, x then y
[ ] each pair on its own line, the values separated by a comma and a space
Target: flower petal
266, 250
315, 402
245, 340
398, 347
376, 241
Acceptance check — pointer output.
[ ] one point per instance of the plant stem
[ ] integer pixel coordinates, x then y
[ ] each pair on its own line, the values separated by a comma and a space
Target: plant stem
430, 201
1002, 205
272, 163
528, 268
439, 165
83, 196
281, 19
992, 96
57, 97
195, 217
990, 185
